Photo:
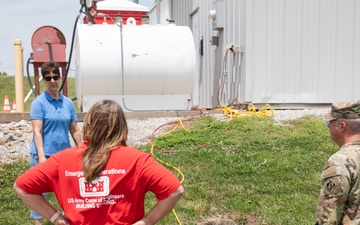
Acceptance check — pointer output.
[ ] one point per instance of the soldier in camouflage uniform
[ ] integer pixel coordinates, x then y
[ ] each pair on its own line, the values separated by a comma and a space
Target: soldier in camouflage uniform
340, 193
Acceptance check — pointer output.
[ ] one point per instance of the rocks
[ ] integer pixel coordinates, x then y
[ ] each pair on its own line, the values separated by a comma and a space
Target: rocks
15, 140
15, 137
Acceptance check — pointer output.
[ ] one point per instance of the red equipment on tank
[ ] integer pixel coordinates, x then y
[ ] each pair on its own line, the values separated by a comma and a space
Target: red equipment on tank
48, 43
102, 11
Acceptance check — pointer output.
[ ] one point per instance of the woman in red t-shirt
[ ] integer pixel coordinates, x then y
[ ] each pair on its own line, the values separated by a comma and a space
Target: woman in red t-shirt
101, 181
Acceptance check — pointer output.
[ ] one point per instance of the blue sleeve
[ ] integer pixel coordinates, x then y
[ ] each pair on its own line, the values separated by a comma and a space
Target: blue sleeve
73, 114
36, 110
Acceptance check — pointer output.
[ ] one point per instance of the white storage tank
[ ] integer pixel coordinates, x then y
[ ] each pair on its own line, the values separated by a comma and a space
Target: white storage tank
151, 68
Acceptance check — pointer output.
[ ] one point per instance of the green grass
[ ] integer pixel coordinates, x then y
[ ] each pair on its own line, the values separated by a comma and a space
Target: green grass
7, 86
13, 211
240, 169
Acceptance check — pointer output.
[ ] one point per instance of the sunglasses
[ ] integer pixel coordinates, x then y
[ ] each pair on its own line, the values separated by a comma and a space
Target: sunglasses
327, 122
55, 77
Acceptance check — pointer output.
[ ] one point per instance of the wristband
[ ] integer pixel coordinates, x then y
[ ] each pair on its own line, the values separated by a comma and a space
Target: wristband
55, 216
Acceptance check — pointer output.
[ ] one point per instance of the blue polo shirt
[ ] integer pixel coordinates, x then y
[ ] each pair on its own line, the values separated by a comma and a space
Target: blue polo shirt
56, 116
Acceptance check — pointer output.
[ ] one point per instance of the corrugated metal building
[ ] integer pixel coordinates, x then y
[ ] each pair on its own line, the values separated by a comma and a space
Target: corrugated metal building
271, 51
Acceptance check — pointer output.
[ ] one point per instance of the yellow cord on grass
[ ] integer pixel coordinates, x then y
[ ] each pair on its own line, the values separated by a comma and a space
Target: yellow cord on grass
266, 111
168, 164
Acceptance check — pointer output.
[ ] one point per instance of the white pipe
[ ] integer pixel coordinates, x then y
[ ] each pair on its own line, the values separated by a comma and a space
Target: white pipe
31, 91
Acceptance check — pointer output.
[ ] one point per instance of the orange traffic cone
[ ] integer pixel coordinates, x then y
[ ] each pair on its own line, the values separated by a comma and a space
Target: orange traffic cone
14, 107
6, 104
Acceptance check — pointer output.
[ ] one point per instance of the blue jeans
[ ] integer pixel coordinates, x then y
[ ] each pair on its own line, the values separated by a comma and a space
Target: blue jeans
34, 160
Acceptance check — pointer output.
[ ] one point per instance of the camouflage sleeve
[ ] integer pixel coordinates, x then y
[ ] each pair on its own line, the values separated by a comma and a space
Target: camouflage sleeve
333, 194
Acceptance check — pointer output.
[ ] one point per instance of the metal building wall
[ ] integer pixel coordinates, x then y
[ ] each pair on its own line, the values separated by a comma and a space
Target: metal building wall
160, 12
298, 51
194, 13
171, 10
218, 73
302, 51
233, 34
180, 11
207, 82
219, 70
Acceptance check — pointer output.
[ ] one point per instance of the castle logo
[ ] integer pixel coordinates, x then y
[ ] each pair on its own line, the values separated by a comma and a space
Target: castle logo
98, 187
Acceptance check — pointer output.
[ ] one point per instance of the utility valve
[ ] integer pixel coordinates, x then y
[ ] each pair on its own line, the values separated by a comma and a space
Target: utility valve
234, 48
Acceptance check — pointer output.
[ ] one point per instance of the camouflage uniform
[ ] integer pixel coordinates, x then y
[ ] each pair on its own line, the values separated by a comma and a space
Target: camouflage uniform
340, 193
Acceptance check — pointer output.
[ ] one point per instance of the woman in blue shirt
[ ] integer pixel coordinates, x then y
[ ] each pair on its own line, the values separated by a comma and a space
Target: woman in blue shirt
52, 116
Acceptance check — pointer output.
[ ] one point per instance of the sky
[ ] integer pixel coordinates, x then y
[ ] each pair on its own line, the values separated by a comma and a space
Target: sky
19, 19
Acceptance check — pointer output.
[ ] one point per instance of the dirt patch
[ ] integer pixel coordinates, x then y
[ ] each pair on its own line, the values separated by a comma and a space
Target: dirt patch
251, 220
232, 219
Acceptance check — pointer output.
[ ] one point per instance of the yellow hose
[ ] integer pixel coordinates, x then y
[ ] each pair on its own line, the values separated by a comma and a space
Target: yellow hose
266, 111
168, 164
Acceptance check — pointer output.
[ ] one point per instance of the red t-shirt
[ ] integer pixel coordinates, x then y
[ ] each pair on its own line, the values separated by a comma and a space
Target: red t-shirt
117, 197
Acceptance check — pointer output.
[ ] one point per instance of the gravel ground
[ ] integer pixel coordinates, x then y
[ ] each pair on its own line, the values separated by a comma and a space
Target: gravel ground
15, 138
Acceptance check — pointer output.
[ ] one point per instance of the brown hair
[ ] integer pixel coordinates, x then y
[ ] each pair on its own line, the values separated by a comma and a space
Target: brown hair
48, 67
105, 128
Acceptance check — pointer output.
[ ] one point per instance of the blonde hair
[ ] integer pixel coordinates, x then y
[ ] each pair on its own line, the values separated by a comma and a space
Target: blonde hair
105, 128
